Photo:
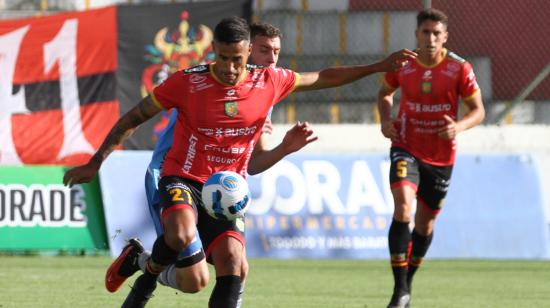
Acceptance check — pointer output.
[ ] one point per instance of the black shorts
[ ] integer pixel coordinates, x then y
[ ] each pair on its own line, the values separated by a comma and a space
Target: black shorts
429, 181
178, 192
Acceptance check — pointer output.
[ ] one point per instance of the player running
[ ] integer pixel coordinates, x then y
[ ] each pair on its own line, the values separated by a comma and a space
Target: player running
266, 46
423, 141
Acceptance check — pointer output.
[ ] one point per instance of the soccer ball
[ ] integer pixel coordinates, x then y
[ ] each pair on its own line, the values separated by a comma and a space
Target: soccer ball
225, 195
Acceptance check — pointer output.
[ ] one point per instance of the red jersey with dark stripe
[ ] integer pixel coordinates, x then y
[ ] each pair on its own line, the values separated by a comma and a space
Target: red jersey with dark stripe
218, 124
428, 93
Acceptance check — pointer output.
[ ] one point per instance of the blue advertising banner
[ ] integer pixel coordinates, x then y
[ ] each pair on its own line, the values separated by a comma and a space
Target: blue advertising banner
340, 206
321, 206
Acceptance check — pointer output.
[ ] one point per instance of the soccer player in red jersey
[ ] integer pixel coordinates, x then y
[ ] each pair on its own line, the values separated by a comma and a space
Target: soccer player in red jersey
221, 110
423, 141
190, 273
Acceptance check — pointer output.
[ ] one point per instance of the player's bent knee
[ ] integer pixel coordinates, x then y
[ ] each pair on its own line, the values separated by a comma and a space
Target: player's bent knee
194, 278
181, 238
228, 256
402, 215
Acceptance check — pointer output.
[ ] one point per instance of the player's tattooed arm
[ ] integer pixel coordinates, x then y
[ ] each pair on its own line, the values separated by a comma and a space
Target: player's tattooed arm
126, 126
123, 129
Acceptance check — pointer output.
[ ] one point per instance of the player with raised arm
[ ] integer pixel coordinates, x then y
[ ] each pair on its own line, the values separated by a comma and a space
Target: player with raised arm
266, 46
424, 141
218, 125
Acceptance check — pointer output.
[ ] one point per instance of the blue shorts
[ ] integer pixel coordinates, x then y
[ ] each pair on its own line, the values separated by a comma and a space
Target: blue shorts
152, 178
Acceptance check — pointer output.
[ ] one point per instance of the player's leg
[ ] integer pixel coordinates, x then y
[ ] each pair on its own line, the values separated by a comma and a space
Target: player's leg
404, 179
227, 256
126, 264
244, 274
189, 273
224, 242
178, 218
434, 183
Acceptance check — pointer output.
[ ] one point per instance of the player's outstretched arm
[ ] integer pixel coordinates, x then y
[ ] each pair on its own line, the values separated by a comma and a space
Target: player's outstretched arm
341, 75
123, 128
296, 138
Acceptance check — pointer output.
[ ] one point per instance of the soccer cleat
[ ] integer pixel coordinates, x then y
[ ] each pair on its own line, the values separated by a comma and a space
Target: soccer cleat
141, 293
124, 266
400, 300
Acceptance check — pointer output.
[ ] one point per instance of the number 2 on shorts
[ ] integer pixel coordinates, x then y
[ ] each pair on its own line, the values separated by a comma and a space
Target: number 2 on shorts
176, 194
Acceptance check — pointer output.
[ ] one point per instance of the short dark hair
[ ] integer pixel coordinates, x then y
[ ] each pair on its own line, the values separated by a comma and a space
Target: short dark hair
232, 30
433, 15
264, 29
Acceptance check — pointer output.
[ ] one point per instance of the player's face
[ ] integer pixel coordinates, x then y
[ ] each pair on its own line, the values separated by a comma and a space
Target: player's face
265, 50
430, 36
231, 61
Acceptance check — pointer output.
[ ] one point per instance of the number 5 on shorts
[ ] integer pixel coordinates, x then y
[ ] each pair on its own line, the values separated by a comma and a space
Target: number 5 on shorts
401, 169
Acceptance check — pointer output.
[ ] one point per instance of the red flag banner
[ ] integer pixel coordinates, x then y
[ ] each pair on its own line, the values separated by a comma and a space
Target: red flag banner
57, 86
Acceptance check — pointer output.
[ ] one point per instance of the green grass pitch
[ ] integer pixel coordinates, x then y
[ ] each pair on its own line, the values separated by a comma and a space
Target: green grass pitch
78, 282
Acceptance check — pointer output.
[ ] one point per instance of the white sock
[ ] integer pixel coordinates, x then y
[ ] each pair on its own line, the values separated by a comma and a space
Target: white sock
142, 260
166, 277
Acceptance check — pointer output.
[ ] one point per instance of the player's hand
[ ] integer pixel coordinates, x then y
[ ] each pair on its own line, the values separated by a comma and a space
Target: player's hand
81, 174
298, 137
398, 60
450, 130
268, 127
388, 130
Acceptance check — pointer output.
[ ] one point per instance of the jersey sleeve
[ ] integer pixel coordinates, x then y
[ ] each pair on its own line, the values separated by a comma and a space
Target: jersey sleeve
284, 81
171, 92
391, 80
468, 83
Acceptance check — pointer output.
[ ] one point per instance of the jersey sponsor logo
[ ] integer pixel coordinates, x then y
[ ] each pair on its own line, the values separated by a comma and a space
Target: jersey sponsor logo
228, 150
429, 108
259, 84
427, 75
197, 78
200, 87
231, 108
221, 160
235, 132
227, 131
191, 151
231, 94
408, 69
